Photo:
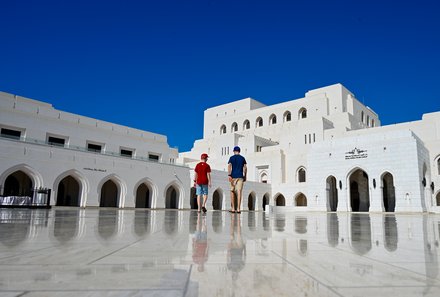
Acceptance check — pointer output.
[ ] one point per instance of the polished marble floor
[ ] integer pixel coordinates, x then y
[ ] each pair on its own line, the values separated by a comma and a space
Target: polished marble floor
111, 252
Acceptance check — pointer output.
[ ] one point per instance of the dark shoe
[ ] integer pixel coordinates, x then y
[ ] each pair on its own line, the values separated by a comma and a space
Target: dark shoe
204, 209
238, 211
232, 211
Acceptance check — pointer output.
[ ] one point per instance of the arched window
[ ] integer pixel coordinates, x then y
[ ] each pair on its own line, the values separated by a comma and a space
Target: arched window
272, 119
234, 127
437, 198
438, 165
301, 175
259, 122
263, 178
362, 116
372, 122
223, 129
246, 125
300, 200
368, 121
302, 114
287, 116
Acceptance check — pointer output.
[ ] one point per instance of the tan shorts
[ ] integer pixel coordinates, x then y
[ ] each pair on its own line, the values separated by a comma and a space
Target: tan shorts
236, 184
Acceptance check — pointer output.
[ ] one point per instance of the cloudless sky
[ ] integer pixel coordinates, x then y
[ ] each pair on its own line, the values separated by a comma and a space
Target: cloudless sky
157, 65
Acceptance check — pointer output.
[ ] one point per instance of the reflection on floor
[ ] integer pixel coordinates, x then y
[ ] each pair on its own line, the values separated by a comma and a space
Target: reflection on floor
112, 252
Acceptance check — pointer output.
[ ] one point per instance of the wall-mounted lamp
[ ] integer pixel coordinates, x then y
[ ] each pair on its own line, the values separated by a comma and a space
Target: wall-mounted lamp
432, 187
340, 185
374, 183
424, 182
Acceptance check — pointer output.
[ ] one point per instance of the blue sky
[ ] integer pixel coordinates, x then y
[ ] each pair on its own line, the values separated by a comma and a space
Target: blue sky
157, 65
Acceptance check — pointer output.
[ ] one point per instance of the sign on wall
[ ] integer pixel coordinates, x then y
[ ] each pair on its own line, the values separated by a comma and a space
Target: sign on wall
356, 154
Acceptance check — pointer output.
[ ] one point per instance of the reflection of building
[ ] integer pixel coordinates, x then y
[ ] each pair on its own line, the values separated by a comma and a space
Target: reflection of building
85, 161
326, 151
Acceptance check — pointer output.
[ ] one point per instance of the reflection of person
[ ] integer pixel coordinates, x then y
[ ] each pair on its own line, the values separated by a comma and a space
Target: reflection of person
236, 256
237, 176
200, 243
202, 179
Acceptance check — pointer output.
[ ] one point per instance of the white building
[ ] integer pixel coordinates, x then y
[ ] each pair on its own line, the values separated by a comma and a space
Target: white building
85, 161
327, 152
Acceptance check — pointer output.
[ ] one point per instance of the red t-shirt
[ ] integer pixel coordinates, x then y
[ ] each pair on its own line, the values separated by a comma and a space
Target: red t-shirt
202, 170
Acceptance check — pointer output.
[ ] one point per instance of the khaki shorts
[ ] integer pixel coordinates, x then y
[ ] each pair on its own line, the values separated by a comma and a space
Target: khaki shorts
236, 184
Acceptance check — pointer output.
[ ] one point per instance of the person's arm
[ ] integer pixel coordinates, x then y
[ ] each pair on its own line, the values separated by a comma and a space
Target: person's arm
229, 172
195, 177
244, 172
209, 178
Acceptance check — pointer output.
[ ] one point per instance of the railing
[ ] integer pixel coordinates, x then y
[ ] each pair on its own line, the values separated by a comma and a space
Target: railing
37, 198
85, 150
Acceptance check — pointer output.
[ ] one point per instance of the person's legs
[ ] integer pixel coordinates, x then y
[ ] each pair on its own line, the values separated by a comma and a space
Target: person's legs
199, 197
238, 208
233, 195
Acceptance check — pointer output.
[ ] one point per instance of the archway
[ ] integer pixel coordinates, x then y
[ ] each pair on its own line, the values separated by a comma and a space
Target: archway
438, 199
143, 196
172, 198
109, 194
265, 200
388, 192
193, 200
332, 193
359, 191
18, 183
280, 200
301, 200
217, 198
68, 193
251, 201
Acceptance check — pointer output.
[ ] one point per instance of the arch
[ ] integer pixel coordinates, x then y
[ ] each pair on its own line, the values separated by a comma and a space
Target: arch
332, 193
272, 119
234, 127
265, 200
368, 121
302, 113
246, 125
372, 122
438, 165
359, 190
145, 193
217, 199
143, 196
437, 198
259, 122
68, 192
280, 200
36, 178
172, 194
287, 116
18, 183
301, 174
300, 200
251, 201
193, 201
83, 186
108, 198
222, 129
263, 177
388, 192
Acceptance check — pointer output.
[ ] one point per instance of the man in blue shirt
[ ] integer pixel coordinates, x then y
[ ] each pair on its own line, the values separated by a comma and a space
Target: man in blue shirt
237, 176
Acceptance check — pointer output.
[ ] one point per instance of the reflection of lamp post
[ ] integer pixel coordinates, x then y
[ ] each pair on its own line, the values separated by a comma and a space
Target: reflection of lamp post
432, 187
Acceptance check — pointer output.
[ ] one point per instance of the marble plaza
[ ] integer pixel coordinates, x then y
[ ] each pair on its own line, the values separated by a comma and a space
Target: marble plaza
116, 252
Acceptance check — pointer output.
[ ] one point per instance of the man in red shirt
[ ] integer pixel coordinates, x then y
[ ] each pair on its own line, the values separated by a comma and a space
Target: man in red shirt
202, 178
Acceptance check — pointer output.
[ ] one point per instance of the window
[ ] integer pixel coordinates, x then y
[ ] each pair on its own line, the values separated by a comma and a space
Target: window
287, 116
259, 147
153, 157
372, 122
263, 178
273, 119
362, 116
302, 114
314, 138
301, 175
259, 122
234, 127
126, 153
368, 121
223, 129
305, 139
96, 148
9, 133
246, 125
56, 141
438, 165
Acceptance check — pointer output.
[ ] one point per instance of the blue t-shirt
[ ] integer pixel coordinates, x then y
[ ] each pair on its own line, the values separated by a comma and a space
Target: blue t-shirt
237, 162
